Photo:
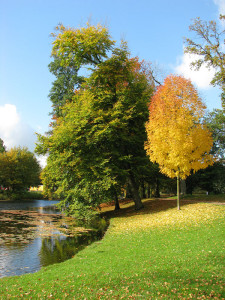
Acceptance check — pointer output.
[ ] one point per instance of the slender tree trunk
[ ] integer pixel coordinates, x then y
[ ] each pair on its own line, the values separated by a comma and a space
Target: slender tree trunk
117, 205
135, 193
178, 191
157, 193
149, 191
143, 189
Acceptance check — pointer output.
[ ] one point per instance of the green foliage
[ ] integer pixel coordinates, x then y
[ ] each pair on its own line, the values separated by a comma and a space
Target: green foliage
74, 49
211, 179
63, 87
19, 170
215, 120
33, 195
97, 144
2, 147
209, 46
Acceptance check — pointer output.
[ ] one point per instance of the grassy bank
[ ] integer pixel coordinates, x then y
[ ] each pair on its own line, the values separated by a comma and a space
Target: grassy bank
27, 195
156, 253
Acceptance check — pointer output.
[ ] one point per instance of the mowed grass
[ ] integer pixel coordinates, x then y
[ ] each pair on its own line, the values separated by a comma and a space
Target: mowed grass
156, 253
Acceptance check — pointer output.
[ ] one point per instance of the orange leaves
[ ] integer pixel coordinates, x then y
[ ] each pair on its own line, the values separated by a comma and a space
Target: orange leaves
177, 140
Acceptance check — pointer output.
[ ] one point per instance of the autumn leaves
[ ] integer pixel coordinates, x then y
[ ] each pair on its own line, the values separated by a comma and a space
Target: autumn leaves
177, 139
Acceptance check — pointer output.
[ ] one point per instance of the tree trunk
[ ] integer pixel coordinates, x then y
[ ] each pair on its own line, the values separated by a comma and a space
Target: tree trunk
117, 205
149, 191
157, 193
178, 191
143, 189
135, 193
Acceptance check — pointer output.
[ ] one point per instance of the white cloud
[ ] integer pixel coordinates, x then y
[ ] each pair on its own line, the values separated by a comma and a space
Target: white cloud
200, 78
13, 131
221, 6
42, 159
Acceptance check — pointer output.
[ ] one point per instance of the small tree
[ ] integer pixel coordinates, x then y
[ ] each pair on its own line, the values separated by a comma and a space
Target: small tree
177, 140
19, 169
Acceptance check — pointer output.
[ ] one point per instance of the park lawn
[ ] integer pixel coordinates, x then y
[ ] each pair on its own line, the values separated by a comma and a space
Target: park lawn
156, 253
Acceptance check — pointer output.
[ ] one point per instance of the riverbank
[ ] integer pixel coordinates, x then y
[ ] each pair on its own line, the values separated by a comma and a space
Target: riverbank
25, 196
155, 253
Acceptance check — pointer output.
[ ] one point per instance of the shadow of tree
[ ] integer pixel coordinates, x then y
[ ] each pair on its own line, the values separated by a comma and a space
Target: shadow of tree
150, 207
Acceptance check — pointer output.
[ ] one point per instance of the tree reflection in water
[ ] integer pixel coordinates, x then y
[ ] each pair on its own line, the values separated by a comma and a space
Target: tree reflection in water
61, 248
36, 237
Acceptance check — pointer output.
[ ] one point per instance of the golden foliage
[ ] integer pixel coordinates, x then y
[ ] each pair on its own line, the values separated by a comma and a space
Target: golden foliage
190, 215
177, 140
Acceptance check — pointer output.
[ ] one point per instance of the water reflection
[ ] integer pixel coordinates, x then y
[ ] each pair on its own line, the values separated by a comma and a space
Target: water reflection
35, 236
59, 249
44, 205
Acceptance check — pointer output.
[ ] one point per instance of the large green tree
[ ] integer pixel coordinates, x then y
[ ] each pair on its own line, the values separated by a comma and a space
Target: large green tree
19, 169
121, 91
98, 145
209, 46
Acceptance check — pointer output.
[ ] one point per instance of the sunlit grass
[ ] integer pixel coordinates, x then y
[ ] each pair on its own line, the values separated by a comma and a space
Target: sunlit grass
156, 253
191, 214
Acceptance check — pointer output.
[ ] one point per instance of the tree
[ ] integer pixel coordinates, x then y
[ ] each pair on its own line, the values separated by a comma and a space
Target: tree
98, 144
19, 169
2, 147
210, 50
215, 120
177, 140
74, 49
211, 178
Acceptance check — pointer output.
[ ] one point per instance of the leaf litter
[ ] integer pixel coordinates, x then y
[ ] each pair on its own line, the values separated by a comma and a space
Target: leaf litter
23, 226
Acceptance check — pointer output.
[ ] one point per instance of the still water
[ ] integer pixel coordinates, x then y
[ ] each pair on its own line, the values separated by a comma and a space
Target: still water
35, 234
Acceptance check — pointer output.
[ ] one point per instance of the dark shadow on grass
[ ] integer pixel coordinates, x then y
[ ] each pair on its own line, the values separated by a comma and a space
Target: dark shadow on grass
152, 206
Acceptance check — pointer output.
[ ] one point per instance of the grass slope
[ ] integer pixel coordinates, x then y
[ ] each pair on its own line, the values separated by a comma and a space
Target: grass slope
157, 253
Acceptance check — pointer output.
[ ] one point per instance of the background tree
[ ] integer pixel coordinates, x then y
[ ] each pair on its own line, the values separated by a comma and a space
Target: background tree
177, 140
209, 46
2, 147
19, 169
215, 120
212, 179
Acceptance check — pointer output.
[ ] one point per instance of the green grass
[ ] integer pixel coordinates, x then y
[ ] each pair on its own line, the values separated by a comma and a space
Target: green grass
27, 195
33, 195
202, 197
156, 253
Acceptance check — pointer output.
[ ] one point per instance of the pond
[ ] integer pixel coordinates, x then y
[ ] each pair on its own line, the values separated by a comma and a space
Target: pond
35, 234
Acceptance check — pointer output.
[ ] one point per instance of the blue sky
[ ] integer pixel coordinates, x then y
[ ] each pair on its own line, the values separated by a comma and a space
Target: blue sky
154, 31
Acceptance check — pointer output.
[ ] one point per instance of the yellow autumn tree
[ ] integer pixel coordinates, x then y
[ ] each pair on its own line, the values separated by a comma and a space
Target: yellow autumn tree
176, 137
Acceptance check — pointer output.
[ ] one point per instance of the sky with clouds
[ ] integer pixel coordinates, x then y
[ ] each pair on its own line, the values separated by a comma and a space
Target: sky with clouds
154, 30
